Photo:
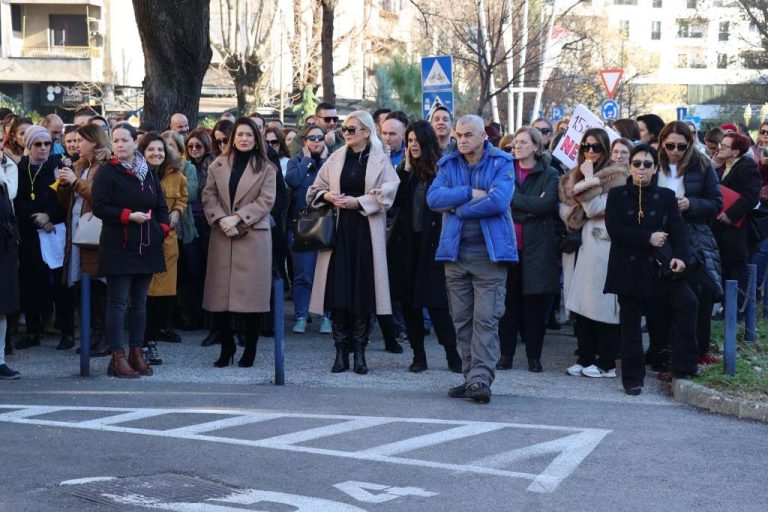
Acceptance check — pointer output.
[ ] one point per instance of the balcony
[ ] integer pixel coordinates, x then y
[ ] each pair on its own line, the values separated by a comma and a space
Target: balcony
59, 52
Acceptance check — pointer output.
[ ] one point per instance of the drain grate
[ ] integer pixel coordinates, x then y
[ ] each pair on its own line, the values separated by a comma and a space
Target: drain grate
163, 488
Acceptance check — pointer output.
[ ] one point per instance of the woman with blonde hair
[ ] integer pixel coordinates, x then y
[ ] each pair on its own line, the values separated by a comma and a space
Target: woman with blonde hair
351, 279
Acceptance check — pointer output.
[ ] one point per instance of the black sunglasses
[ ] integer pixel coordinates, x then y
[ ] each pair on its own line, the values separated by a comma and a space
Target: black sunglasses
40, 144
642, 163
350, 129
545, 131
331, 119
670, 146
508, 149
194, 146
221, 141
596, 148
763, 132
273, 142
316, 138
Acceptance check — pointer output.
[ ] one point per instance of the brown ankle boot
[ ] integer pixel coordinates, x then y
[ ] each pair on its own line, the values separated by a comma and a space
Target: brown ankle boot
119, 367
137, 362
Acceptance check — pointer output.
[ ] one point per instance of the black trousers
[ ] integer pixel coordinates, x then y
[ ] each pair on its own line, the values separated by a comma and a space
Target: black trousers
526, 315
64, 305
736, 270
598, 342
441, 321
247, 325
683, 303
159, 314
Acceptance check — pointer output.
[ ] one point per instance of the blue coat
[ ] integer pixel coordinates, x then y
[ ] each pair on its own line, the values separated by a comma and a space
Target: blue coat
299, 176
451, 193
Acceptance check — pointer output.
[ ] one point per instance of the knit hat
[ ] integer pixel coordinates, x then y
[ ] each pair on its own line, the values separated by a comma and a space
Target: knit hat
729, 126
34, 133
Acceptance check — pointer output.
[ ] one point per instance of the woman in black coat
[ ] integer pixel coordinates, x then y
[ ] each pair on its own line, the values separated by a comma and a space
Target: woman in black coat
740, 175
127, 197
649, 249
534, 281
9, 263
37, 207
692, 177
416, 279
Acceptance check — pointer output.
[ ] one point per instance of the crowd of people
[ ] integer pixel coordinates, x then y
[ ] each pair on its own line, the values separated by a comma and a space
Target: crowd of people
456, 227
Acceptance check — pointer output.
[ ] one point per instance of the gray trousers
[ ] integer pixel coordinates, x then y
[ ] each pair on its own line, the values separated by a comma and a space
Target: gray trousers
476, 292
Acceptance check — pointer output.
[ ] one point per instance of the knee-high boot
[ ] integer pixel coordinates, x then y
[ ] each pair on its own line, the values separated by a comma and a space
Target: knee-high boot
341, 341
249, 354
360, 331
419, 363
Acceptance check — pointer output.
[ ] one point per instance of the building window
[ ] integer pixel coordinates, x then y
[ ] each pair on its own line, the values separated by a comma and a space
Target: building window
392, 5
16, 17
723, 34
624, 29
624, 2
68, 30
755, 60
655, 30
682, 60
691, 4
690, 30
697, 61
722, 61
657, 4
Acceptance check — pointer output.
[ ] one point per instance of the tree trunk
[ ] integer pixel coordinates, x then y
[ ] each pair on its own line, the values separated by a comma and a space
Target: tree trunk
247, 76
177, 50
329, 89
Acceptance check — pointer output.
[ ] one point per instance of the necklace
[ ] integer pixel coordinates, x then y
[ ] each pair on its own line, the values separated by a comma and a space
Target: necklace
33, 178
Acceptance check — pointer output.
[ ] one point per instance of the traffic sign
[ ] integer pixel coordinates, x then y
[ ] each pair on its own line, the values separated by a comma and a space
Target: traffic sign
696, 120
609, 109
431, 100
611, 79
681, 113
437, 73
558, 113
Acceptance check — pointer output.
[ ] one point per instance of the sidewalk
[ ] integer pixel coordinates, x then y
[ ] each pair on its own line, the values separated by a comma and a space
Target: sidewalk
309, 358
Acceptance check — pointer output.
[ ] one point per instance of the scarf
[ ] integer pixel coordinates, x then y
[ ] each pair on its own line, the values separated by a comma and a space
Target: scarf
138, 167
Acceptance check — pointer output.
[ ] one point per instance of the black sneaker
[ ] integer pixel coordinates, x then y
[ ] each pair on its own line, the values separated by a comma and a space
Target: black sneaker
459, 391
8, 374
479, 392
150, 354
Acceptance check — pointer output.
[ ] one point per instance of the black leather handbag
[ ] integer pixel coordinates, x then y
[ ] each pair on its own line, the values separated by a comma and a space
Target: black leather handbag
314, 229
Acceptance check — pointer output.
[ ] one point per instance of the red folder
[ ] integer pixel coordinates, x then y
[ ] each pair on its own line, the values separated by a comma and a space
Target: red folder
730, 196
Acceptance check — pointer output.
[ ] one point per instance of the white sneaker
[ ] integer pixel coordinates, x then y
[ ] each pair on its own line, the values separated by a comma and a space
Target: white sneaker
594, 371
574, 370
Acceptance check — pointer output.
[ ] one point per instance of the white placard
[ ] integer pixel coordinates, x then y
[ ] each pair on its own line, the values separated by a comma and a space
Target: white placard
567, 151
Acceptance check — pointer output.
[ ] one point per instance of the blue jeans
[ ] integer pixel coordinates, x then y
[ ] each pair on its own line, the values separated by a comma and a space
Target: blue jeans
760, 258
127, 293
303, 276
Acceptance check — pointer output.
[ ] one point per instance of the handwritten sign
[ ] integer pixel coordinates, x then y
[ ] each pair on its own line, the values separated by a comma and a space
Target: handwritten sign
567, 151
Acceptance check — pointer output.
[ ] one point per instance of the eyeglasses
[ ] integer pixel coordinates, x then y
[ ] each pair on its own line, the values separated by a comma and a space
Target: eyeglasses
317, 138
350, 129
723, 146
670, 146
222, 141
273, 142
330, 119
508, 149
763, 132
642, 163
40, 144
595, 148
194, 146
545, 131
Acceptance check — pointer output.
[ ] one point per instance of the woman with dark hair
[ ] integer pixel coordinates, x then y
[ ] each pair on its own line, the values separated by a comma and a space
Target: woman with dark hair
75, 194
650, 127
238, 197
70, 143
533, 283
222, 130
739, 175
7, 122
162, 290
128, 199
289, 134
13, 144
627, 128
416, 279
583, 195
649, 247
37, 207
691, 176
275, 139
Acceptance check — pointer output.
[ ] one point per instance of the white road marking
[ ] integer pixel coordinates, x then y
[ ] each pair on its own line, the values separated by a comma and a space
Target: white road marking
80, 481
360, 491
569, 451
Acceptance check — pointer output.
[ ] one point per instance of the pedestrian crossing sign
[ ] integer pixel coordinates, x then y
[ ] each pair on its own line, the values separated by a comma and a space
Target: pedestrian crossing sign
437, 73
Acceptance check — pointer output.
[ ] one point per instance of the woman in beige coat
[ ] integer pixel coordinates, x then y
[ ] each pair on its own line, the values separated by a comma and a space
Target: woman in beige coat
351, 280
238, 195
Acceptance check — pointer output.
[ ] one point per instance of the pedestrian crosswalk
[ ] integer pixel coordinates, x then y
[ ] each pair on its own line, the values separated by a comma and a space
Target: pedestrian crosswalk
564, 447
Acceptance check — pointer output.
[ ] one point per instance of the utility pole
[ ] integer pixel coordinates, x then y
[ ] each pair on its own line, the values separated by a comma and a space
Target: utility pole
487, 44
509, 44
545, 67
523, 51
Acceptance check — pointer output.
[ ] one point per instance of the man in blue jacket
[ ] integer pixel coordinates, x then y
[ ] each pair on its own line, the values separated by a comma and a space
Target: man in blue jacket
473, 189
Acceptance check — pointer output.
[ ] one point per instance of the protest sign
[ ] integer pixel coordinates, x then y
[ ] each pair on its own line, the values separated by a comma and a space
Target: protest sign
567, 151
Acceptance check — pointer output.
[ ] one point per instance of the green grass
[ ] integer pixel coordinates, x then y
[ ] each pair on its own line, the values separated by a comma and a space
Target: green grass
751, 379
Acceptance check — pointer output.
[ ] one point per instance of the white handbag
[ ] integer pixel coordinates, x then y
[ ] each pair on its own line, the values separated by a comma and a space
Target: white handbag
88, 231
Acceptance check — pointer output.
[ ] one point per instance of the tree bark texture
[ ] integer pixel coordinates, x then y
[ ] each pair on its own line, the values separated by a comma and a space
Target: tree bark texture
326, 38
175, 36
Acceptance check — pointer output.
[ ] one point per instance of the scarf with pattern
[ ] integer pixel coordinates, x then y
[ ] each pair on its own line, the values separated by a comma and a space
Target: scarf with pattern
138, 167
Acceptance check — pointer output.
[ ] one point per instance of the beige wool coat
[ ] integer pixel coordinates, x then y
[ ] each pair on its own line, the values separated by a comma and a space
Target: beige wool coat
239, 273
381, 184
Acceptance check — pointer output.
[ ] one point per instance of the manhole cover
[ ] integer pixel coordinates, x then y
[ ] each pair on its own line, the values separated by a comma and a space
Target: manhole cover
163, 488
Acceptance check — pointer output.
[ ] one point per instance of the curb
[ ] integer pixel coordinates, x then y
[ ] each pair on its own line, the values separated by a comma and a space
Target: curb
703, 397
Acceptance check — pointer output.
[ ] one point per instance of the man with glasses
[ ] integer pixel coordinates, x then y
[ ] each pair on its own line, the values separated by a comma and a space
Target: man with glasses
327, 118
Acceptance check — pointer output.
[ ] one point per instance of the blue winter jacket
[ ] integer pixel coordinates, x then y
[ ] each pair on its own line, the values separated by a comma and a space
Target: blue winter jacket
451, 193
299, 176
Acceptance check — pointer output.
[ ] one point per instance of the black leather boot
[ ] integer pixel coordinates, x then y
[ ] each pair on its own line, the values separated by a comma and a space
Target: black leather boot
249, 354
227, 354
453, 358
419, 363
341, 341
360, 332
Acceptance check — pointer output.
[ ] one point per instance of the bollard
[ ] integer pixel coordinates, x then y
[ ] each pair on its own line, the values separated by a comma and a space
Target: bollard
85, 325
279, 332
729, 340
750, 309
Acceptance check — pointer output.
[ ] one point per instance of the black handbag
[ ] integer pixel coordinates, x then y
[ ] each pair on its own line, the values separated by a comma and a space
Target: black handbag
314, 229
569, 242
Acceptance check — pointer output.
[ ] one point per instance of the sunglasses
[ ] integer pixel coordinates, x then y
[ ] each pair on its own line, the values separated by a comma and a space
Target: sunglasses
671, 146
273, 142
637, 164
350, 129
595, 148
545, 131
40, 144
763, 132
331, 119
317, 138
221, 141
508, 149
194, 146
